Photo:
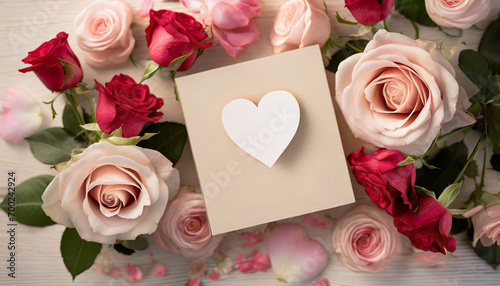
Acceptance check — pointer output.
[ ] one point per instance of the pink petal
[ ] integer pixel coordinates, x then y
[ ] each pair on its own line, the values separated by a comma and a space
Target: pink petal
294, 256
134, 273
145, 7
21, 116
158, 270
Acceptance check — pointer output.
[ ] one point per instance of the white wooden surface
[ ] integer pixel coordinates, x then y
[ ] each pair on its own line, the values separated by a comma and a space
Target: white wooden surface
25, 24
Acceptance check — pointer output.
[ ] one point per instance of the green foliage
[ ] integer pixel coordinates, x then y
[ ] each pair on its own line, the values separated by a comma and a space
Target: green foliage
123, 250
489, 46
475, 67
78, 255
150, 70
27, 201
449, 194
495, 162
170, 141
450, 161
490, 254
352, 47
415, 11
53, 145
472, 170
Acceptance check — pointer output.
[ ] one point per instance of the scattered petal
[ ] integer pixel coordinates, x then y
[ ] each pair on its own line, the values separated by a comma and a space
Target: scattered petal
158, 270
193, 282
321, 282
134, 273
214, 275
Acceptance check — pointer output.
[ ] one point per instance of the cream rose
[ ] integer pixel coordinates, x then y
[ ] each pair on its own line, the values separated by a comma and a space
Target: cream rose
112, 192
184, 228
299, 24
366, 239
399, 93
457, 13
103, 32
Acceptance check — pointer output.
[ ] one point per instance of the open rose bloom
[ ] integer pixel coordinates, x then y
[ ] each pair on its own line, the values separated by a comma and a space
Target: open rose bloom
399, 93
112, 192
457, 13
366, 239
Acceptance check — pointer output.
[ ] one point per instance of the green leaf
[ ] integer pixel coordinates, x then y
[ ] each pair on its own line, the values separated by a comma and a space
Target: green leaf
128, 140
406, 161
52, 146
458, 225
139, 243
78, 254
489, 46
70, 122
495, 162
494, 135
123, 250
352, 47
415, 11
475, 67
170, 140
490, 254
176, 63
91, 127
472, 170
449, 194
27, 202
450, 161
487, 198
344, 21
426, 191
150, 70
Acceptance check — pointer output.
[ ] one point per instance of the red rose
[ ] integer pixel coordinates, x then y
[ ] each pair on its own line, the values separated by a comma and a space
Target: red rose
55, 64
127, 104
171, 35
368, 12
390, 187
428, 227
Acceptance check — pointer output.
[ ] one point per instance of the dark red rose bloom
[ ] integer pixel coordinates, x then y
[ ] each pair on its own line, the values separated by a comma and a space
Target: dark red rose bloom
369, 12
389, 187
55, 64
171, 35
127, 104
428, 227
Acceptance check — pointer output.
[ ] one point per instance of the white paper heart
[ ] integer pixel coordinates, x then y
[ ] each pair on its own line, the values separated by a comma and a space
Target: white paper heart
263, 131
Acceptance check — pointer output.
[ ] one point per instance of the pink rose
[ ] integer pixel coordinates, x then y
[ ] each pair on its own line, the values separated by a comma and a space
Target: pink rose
111, 192
231, 21
457, 13
184, 227
21, 115
399, 93
299, 24
486, 223
366, 239
55, 64
103, 32
369, 12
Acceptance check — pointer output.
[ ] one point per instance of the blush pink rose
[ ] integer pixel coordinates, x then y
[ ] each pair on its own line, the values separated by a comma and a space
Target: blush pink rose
184, 227
21, 115
457, 13
399, 93
112, 192
231, 21
103, 32
366, 239
299, 24
486, 221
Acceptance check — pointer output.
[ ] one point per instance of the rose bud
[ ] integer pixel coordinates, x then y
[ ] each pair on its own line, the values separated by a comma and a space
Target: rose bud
369, 12
55, 64
171, 35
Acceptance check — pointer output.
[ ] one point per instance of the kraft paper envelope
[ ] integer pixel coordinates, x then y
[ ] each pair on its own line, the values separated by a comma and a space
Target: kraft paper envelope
240, 191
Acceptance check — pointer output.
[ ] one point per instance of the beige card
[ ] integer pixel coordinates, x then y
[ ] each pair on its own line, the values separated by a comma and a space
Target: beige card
240, 191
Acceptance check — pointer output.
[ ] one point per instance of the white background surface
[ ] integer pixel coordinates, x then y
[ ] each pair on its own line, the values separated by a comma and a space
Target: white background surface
25, 24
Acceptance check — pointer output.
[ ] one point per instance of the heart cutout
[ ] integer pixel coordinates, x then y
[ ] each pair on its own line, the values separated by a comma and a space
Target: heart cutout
263, 131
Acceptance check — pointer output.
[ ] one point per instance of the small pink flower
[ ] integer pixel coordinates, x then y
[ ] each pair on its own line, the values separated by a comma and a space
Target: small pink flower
134, 273
193, 282
21, 115
251, 239
260, 262
158, 270
214, 275
321, 282
243, 264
